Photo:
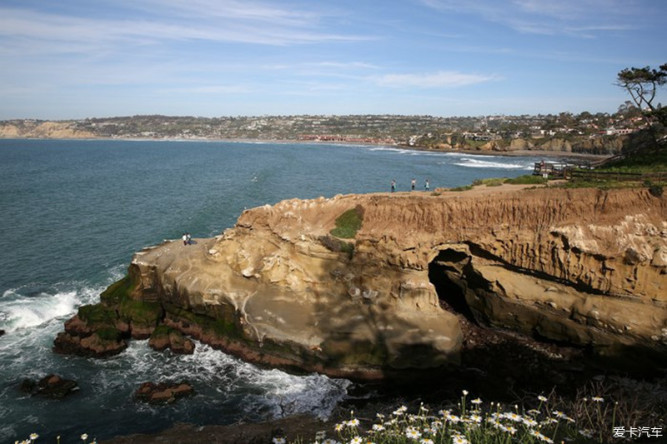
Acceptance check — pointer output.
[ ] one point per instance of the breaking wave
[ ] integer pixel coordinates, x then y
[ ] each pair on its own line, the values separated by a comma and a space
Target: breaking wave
228, 383
469, 162
23, 308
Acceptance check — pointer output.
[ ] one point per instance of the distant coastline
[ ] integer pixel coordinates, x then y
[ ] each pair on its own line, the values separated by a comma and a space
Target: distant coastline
496, 135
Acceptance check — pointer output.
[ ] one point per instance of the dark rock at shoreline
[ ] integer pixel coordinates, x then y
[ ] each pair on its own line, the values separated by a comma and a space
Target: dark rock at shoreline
163, 392
95, 345
2, 332
50, 386
291, 428
164, 337
103, 329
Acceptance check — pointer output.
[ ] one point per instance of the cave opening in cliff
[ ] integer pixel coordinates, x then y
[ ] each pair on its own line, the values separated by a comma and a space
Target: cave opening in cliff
446, 273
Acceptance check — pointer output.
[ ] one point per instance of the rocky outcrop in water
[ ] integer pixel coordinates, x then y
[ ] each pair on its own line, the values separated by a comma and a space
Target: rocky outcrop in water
163, 392
51, 386
584, 267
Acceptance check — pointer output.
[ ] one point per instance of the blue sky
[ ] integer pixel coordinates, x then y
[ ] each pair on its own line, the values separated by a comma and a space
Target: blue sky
96, 58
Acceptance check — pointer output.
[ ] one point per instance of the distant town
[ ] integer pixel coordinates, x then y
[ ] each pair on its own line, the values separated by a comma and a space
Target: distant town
599, 133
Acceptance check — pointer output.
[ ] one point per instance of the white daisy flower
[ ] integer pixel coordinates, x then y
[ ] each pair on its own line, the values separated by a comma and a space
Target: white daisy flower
412, 433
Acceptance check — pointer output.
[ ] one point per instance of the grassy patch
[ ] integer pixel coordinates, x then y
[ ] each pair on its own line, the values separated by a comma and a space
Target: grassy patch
647, 161
462, 188
490, 182
600, 184
527, 179
348, 223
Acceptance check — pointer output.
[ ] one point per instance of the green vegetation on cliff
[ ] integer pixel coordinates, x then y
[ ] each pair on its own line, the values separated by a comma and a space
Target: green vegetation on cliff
221, 325
97, 315
643, 161
527, 179
118, 291
348, 223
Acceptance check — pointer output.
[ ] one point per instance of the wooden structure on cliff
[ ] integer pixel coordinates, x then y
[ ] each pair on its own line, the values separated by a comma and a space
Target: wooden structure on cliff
551, 169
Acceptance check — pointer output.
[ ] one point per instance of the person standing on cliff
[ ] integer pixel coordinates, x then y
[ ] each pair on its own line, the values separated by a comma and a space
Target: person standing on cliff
427, 185
185, 239
393, 185
413, 183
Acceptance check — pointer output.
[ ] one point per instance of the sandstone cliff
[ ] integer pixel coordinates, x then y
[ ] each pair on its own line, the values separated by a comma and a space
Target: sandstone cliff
584, 266
43, 130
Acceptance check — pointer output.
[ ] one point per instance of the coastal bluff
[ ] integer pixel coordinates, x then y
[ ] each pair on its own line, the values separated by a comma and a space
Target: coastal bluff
583, 267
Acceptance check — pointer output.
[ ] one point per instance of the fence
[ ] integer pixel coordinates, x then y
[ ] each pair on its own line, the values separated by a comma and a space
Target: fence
617, 176
584, 171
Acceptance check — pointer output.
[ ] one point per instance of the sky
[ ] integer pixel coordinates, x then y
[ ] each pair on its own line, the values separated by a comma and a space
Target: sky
72, 59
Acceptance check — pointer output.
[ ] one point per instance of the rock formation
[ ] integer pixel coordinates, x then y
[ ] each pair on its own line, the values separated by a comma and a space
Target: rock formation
163, 392
164, 337
585, 267
50, 386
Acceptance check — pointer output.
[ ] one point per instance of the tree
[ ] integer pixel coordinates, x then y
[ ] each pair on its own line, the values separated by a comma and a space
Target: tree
642, 84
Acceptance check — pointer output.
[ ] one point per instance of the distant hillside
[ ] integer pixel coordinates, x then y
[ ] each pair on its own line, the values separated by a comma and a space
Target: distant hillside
586, 133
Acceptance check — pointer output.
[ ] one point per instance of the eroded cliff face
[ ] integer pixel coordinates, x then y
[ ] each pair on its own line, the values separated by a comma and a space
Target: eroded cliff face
583, 266
45, 130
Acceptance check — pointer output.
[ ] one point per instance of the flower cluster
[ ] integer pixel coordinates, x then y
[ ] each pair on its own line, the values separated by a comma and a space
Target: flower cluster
473, 421
33, 438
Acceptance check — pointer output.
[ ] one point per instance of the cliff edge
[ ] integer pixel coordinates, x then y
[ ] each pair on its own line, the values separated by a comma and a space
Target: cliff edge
585, 267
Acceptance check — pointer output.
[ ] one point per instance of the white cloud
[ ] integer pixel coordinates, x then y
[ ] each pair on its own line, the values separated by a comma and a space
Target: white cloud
225, 22
331, 65
440, 79
211, 89
228, 9
583, 18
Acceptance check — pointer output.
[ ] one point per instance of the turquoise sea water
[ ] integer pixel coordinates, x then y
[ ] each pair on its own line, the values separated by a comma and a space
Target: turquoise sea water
72, 213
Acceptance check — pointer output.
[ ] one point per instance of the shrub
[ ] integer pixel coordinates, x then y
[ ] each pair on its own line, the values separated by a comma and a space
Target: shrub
655, 190
490, 182
337, 245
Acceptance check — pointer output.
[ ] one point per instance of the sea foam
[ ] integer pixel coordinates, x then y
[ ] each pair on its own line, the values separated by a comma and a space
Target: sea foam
468, 162
25, 312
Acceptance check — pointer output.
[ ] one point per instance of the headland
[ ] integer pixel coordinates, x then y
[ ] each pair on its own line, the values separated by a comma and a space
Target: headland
373, 286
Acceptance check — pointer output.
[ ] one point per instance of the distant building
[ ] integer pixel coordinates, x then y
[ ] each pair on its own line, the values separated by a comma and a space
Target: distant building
611, 131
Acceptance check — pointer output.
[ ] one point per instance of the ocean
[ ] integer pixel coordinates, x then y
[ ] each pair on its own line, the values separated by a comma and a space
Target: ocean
72, 213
